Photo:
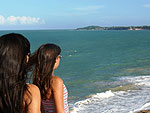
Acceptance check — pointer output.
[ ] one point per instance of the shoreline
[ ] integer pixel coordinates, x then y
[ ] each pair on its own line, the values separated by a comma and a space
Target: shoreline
115, 28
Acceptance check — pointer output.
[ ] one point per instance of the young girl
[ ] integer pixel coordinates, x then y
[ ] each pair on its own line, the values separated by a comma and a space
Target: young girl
53, 91
15, 95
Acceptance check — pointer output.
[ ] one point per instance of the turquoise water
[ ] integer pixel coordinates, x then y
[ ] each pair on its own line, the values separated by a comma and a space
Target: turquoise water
95, 62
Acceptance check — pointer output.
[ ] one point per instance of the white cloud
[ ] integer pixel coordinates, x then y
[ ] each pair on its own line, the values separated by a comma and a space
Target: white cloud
89, 8
146, 5
18, 20
2, 20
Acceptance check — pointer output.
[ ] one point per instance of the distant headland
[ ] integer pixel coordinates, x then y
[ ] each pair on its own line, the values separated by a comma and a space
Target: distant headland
115, 28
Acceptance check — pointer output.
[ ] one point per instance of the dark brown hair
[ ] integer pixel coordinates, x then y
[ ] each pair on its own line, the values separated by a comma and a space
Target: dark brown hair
13, 51
44, 59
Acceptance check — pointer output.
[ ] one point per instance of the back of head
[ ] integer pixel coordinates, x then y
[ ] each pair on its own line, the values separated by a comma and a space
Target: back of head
45, 58
13, 51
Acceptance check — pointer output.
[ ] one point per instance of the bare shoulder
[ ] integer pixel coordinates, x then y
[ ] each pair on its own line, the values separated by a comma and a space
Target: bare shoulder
56, 79
32, 87
33, 90
32, 97
56, 82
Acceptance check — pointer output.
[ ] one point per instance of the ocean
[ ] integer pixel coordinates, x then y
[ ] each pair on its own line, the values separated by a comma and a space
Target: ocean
104, 71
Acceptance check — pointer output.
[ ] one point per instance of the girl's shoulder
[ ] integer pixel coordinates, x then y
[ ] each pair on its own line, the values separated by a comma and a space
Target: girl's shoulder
33, 88
32, 98
56, 82
31, 93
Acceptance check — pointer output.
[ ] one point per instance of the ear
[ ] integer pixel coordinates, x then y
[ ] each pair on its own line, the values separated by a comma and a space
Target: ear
56, 63
27, 58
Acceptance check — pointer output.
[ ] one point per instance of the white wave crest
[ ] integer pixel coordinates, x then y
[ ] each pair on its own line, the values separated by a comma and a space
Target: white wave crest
80, 104
144, 107
140, 80
128, 101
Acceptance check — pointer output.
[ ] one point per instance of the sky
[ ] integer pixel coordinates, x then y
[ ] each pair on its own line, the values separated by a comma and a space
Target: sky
72, 14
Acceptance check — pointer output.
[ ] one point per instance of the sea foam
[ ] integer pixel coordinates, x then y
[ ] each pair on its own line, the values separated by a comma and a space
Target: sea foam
80, 104
128, 101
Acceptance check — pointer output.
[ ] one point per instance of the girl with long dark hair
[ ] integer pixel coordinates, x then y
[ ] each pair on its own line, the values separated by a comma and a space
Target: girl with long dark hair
16, 96
53, 91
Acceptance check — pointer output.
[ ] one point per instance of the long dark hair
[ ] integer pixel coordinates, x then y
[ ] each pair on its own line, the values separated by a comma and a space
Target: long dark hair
13, 51
44, 59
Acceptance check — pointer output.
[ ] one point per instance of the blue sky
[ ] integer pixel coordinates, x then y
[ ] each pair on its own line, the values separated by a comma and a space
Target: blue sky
70, 14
